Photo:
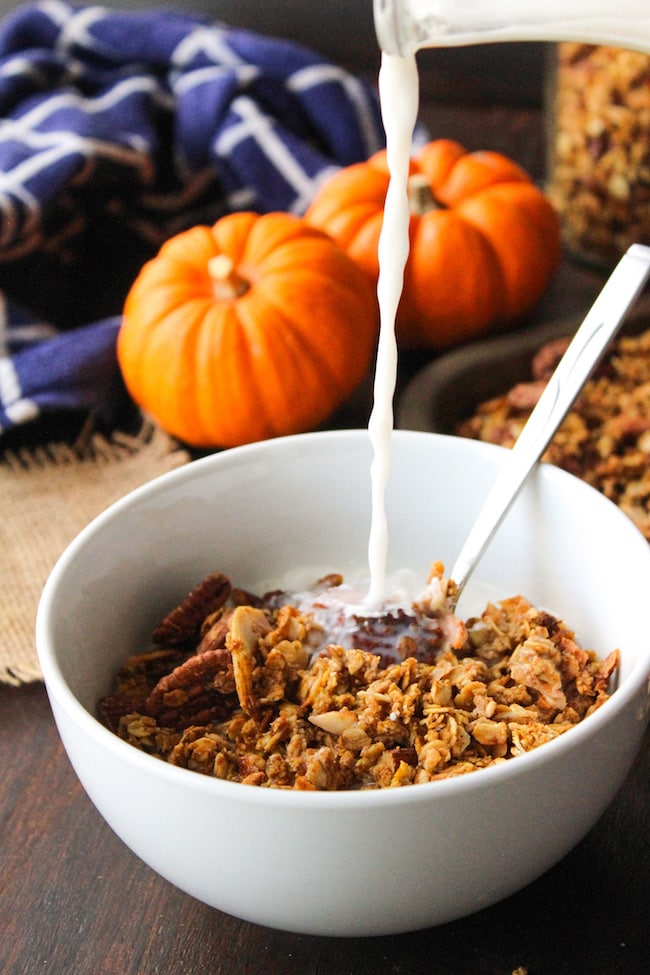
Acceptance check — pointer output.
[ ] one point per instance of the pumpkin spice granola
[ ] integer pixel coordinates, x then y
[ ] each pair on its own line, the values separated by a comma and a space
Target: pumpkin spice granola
600, 149
605, 438
261, 693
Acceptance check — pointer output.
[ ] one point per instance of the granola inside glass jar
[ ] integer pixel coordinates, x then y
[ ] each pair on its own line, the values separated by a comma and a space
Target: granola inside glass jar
598, 103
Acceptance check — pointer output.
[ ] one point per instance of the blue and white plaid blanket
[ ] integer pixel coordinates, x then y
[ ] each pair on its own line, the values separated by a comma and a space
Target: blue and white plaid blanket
119, 129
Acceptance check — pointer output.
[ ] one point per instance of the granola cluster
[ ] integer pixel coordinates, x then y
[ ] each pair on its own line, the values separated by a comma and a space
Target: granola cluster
605, 438
599, 179
253, 690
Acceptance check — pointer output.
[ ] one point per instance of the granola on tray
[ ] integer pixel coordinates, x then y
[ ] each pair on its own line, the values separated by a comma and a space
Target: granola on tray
257, 690
605, 438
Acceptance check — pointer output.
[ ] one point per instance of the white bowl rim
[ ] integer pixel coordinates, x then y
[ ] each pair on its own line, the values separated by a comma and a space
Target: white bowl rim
465, 784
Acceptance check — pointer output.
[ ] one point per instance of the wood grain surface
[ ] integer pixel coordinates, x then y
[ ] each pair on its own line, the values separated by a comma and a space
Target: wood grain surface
76, 901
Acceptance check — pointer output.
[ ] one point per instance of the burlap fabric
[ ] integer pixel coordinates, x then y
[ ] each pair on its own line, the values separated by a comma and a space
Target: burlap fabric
48, 495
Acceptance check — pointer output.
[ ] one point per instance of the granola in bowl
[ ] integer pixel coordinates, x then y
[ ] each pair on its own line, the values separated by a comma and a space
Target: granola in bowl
261, 691
363, 860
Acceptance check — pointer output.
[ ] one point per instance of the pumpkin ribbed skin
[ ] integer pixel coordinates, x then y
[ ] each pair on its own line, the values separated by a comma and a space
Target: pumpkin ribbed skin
483, 248
272, 349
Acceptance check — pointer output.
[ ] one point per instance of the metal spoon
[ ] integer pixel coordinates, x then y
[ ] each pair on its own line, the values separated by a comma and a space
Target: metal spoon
576, 365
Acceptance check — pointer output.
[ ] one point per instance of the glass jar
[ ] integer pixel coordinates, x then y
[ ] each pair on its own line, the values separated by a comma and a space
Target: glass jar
598, 105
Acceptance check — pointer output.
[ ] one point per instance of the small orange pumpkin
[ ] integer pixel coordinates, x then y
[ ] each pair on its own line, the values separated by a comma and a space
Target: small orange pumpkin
484, 239
256, 327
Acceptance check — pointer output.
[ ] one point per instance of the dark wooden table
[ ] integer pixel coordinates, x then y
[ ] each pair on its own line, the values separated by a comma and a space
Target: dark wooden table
75, 901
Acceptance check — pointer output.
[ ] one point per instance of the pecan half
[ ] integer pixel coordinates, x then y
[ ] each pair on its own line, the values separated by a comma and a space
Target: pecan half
183, 623
135, 679
200, 690
546, 359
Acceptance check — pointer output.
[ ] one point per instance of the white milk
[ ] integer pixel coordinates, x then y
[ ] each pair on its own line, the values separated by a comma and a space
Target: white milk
399, 94
404, 27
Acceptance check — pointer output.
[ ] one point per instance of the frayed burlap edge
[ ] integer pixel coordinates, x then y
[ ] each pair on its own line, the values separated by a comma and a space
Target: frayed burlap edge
48, 495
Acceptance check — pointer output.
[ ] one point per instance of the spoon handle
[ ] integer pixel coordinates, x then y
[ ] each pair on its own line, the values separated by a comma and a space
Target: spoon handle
576, 365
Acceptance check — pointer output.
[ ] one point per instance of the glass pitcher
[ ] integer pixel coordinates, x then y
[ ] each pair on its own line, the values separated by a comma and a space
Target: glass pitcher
405, 26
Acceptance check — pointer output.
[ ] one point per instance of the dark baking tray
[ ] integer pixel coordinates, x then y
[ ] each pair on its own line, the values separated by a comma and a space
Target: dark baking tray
451, 387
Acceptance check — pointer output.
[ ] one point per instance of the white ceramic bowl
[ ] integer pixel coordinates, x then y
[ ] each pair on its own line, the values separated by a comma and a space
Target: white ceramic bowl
356, 863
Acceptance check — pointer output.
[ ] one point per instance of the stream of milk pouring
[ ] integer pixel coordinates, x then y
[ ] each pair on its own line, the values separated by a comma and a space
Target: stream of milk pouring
403, 28
399, 97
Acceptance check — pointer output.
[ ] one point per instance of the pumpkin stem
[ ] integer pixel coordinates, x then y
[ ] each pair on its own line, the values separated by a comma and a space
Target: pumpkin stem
420, 194
227, 284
